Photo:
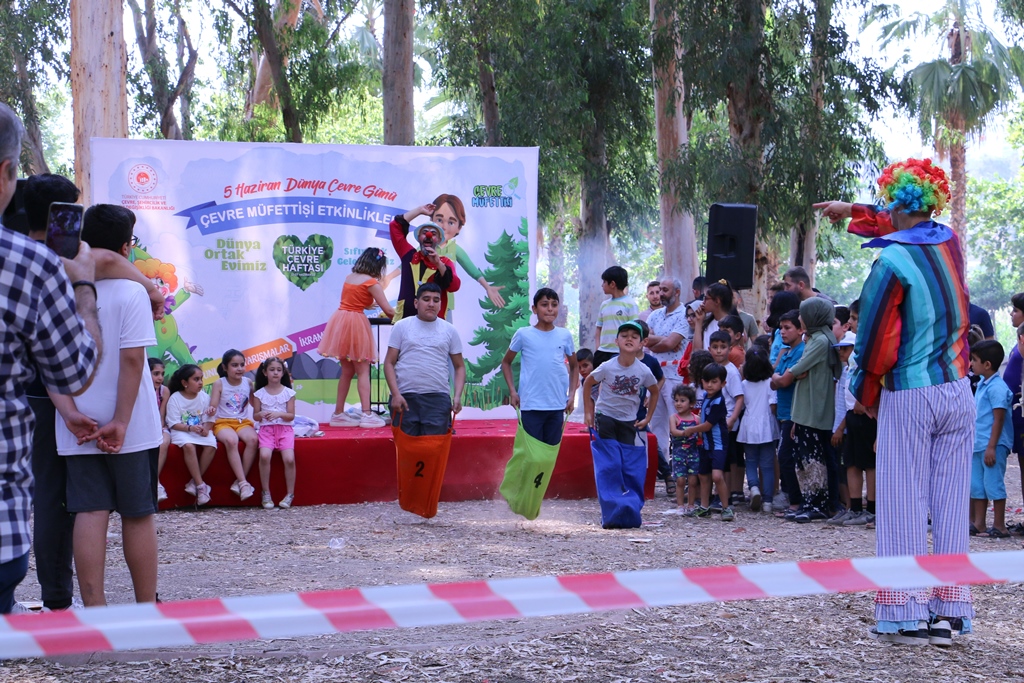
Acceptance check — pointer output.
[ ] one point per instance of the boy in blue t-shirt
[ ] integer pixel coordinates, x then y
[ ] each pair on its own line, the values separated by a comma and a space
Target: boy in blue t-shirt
713, 424
793, 349
547, 389
993, 438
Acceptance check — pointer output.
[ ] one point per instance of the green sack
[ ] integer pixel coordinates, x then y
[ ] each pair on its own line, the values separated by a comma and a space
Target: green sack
528, 473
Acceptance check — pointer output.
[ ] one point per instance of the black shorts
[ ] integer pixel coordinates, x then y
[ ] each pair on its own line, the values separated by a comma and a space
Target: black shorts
603, 356
619, 430
428, 414
861, 432
734, 454
711, 460
120, 482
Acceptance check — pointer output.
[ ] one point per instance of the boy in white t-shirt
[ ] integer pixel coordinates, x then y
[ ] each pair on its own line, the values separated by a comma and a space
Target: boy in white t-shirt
416, 367
111, 433
547, 387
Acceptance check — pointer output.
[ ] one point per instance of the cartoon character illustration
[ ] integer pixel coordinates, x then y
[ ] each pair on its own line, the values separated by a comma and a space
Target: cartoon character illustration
450, 214
624, 385
192, 419
170, 347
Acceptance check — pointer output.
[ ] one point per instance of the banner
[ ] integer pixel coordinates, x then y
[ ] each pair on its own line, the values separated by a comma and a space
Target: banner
251, 242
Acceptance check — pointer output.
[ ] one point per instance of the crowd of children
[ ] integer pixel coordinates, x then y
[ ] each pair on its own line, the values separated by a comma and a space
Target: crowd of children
777, 411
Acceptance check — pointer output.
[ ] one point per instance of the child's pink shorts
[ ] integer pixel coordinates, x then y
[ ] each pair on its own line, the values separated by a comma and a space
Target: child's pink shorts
279, 437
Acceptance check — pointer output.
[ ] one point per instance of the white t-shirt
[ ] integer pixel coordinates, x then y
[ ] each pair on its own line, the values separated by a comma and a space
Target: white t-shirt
758, 424
191, 412
423, 354
733, 388
620, 388
664, 324
126, 320
276, 403
711, 328
841, 392
543, 374
234, 399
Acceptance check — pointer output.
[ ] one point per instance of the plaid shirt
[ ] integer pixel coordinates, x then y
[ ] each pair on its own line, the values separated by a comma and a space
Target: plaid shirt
40, 331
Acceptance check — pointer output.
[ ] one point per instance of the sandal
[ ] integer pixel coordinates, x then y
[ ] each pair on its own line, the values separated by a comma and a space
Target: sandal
994, 533
974, 530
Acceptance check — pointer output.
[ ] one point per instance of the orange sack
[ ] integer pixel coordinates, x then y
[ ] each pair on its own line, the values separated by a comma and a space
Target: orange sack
421, 464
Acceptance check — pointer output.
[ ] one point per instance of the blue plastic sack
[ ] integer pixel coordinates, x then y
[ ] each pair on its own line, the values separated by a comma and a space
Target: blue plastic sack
619, 472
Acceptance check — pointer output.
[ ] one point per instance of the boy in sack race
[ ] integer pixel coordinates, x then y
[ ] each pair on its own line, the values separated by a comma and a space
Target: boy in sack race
547, 392
422, 409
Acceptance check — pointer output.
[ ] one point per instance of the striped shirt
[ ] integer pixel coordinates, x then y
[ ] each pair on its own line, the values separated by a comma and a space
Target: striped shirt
913, 308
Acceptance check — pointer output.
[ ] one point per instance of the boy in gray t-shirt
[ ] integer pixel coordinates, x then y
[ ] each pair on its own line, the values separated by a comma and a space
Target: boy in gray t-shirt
621, 377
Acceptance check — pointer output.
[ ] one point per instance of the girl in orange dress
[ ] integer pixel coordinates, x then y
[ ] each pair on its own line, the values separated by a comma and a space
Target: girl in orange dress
348, 337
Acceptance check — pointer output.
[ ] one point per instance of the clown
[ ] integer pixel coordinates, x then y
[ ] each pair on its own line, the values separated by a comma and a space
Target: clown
170, 347
422, 265
912, 362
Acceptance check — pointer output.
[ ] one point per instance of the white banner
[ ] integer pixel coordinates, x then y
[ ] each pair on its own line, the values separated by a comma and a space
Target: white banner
251, 244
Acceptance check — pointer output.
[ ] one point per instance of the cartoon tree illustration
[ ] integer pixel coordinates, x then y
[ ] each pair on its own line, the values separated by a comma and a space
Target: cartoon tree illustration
510, 265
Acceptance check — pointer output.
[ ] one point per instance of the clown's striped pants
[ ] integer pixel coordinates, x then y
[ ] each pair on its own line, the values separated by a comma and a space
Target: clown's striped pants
924, 447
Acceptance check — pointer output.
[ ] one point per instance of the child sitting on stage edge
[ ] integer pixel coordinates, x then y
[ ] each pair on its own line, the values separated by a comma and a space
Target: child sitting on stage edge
547, 389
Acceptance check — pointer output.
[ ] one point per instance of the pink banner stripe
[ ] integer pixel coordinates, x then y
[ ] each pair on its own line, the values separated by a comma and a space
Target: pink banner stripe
475, 601
61, 632
209, 621
725, 583
601, 591
839, 576
348, 610
954, 569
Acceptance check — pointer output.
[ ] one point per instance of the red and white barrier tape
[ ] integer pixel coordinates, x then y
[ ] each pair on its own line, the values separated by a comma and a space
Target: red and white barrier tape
170, 624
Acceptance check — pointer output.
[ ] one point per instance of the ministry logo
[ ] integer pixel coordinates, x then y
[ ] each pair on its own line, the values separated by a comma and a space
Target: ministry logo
142, 178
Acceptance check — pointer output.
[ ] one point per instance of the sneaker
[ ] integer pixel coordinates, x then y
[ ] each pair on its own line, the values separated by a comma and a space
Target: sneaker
918, 637
670, 487
791, 514
345, 420
234, 488
161, 492
780, 501
699, 511
716, 507
856, 519
245, 490
841, 518
268, 502
371, 421
190, 488
736, 498
940, 633
871, 518
727, 514
26, 608
766, 507
286, 502
755, 499
810, 515
203, 494
675, 511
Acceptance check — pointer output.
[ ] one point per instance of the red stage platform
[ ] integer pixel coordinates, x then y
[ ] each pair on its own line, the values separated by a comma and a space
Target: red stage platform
358, 466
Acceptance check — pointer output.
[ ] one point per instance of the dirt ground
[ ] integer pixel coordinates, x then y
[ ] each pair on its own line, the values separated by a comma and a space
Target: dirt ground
228, 552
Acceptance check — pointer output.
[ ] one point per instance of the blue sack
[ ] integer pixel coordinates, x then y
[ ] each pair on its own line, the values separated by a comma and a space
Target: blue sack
619, 472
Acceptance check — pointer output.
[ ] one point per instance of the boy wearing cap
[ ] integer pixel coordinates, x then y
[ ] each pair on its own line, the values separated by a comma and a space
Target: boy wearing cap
621, 378
422, 265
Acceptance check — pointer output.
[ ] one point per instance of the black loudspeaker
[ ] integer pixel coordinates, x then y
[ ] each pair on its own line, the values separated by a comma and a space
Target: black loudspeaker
732, 230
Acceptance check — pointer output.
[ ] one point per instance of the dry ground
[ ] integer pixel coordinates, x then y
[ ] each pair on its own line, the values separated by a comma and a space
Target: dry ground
223, 552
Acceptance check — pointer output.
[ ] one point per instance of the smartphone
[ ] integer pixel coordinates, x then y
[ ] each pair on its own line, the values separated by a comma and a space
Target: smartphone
64, 228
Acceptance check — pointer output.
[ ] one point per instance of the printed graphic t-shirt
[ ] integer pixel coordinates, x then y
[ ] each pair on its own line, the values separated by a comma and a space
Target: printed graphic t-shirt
620, 388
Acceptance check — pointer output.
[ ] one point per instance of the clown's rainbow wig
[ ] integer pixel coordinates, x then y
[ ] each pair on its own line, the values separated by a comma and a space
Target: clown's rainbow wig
914, 186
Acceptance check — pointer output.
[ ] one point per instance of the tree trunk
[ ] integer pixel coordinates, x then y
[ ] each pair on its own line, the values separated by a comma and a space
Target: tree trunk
678, 236
274, 55
556, 263
958, 174
33, 159
803, 245
183, 44
399, 121
485, 69
99, 64
594, 240
286, 17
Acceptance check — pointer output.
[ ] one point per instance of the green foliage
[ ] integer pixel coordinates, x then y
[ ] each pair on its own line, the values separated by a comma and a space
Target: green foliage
843, 265
510, 263
995, 211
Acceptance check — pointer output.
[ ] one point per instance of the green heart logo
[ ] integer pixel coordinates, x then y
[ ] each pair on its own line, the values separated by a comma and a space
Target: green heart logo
303, 263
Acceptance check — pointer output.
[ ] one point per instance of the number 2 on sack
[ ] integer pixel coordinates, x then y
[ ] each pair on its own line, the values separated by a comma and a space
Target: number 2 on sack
419, 468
